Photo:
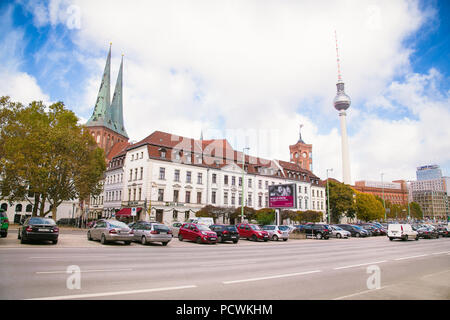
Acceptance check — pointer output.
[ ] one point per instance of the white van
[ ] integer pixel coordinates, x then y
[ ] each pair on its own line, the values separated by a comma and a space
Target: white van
402, 231
202, 220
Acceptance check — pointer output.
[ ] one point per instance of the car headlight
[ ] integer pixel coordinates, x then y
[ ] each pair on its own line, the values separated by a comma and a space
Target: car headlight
204, 233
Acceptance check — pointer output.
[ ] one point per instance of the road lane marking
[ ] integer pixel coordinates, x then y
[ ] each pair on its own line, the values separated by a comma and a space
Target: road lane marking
444, 252
104, 294
83, 271
67, 257
411, 257
272, 277
359, 293
359, 265
433, 274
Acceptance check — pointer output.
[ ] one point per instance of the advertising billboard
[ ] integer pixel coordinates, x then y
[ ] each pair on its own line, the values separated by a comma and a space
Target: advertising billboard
282, 196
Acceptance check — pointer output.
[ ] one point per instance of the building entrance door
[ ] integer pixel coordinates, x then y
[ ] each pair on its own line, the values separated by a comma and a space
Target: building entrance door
159, 216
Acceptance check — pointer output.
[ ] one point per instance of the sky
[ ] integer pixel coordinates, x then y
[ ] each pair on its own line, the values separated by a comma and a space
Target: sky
250, 71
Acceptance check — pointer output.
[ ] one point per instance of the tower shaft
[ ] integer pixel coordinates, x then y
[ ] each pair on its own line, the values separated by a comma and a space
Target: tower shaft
345, 153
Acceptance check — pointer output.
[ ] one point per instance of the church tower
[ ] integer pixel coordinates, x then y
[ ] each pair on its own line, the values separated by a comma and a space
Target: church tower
301, 153
106, 123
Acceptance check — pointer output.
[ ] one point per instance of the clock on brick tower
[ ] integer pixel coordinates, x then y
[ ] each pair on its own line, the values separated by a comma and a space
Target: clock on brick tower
301, 153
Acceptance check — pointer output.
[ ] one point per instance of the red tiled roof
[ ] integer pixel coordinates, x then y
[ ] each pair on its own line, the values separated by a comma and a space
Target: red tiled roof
118, 149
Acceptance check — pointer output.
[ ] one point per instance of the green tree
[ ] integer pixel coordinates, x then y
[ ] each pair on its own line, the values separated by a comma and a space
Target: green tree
249, 214
265, 216
368, 207
44, 151
415, 210
341, 200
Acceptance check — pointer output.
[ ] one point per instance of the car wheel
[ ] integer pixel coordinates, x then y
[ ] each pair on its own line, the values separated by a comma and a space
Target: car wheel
103, 239
144, 240
164, 243
390, 238
254, 238
18, 235
338, 235
358, 235
4, 235
127, 243
219, 239
417, 238
199, 240
275, 238
55, 241
235, 241
319, 235
89, 236
180, 237
285, 239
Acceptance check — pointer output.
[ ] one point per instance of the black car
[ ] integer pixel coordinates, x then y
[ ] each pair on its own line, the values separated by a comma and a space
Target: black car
354, 230
225, 232
36, 228
443, 231
318, 231
427, 233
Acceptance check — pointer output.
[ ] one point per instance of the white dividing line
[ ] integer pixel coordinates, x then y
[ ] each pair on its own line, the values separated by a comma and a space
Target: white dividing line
411, 257
272, 277
104, 294
67, 257
444, 252
83, 271
359, 293
360, 265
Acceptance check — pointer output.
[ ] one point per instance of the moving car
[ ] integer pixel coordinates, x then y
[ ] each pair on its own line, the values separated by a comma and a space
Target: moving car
146, 232
197, 232
427, 233
355, 231
4, 224
318, 231
252, 232
110, 230
338, 232
402, 231
37, 228
225, 232
277, 232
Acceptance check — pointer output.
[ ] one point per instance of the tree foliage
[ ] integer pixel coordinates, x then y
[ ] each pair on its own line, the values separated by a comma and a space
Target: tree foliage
45, 152
415, 210
265, 216
341, 200
368, 208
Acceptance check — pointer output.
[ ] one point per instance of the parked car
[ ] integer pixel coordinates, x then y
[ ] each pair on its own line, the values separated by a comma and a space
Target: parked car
277, 232
354, 230
4, 224
225, 232
402, 231
175, 228
427, 233
338, 232
373, 231
443, 231
252, 232
202, 220
146, 232
110, 230
197, 232
37, 228
318, 231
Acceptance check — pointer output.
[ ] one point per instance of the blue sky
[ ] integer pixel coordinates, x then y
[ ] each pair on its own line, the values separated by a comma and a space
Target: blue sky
185, 76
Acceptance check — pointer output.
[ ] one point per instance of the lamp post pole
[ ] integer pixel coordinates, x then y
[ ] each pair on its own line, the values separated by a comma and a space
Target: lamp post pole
382, 188
243, 182
328, 198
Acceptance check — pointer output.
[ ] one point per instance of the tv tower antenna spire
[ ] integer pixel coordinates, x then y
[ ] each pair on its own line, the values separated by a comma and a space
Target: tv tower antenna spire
338, 60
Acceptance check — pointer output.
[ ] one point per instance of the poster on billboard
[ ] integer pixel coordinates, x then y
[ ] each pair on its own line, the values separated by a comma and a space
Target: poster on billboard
282, 196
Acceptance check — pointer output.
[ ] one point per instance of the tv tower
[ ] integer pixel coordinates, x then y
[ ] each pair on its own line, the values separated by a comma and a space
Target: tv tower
341, 103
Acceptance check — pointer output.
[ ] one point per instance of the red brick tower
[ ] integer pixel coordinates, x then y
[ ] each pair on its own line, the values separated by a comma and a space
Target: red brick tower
301, 153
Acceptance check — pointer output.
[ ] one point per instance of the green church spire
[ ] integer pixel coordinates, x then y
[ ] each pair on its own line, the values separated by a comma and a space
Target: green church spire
117, 105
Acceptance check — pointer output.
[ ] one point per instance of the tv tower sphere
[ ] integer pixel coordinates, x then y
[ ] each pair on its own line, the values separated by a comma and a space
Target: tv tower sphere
341, 101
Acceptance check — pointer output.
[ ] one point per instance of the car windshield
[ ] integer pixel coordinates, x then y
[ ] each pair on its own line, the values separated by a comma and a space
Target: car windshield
283, 228
255, 227
202, 227
357, 227
231, 228
337, 228
41, 221
117, 224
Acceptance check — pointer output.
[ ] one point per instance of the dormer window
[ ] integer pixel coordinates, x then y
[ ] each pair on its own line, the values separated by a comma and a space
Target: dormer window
162, 153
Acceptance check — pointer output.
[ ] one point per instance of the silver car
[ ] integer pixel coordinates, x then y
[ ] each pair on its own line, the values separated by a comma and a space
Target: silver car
277, 232
110, 230
176, 228
147, 232
338, 232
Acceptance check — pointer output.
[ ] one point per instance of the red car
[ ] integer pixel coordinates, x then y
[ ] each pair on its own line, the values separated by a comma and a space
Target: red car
197, 232
252, 232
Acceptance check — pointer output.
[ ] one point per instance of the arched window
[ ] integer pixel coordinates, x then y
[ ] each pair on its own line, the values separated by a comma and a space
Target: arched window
29, 208
18, 208
4, 206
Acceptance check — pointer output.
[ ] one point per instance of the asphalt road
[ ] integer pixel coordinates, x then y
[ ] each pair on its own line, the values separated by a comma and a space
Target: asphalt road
296, 269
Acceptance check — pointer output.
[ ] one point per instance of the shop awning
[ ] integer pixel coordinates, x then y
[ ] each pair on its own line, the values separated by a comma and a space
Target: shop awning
126, 212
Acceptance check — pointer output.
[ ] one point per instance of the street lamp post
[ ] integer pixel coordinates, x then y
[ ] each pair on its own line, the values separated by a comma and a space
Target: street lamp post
382, 188
243, 182
328, 198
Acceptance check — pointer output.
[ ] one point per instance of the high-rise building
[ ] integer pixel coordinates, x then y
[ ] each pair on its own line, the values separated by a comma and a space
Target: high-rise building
429, 172
342, 103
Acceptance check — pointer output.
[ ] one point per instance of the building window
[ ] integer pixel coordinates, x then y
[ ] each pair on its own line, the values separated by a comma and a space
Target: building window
188, 197
188, 157
267, 201
259, 184
140, 194
267, 184
240, 181
175, 195
240, 198
129, 195
163, 153
29, 208
250, 203
134, 194
213, 197
199, 197
306, 190
132, 157
177, 175
175, 215
160, 194
131, 175
225, 198
135, 173
313, 194
233, 181
214, 178
233, 199
142, 173
199, 178
249, 183
162, 173
186, 215
142, 155
225, 180
188, 176
299, 203
260, 201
